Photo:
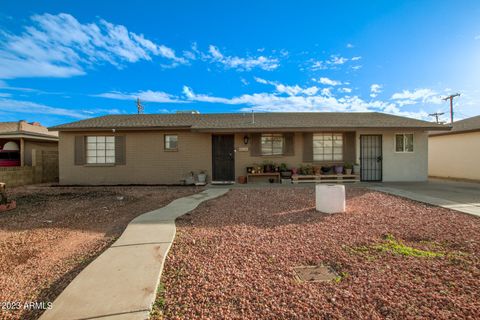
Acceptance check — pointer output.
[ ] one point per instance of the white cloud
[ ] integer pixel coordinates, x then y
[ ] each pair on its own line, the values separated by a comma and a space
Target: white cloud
319, 65
477, 37
375, 89
242, 64
332, 63
349, 45
288, 89
260, 80
61, 46
345, 90
328, 82
425, 95
216, 54
327, 92
28, 107
325, 101
147, 95
357, 67
338, 60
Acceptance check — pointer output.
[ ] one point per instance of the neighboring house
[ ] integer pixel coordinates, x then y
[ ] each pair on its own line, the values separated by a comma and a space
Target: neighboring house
164, 148
18, 139
456, 153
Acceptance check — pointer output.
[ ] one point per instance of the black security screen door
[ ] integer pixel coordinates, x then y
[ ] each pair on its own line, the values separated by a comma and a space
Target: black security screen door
223, 158
371, 157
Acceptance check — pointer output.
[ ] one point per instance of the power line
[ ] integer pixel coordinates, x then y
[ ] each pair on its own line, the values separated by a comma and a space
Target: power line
436, 114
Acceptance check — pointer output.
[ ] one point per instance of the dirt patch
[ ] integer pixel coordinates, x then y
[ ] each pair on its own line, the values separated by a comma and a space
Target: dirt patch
56, 231
234, 258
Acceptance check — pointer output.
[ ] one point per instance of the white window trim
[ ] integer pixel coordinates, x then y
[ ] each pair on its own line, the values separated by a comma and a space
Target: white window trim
276, 154
165, 142
99, 164
330, 161
395, 142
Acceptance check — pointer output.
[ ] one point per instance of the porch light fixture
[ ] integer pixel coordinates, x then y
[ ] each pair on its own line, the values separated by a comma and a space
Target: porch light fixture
245, 139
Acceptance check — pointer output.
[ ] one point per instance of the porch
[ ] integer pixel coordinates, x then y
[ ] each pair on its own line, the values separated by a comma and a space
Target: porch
306, 157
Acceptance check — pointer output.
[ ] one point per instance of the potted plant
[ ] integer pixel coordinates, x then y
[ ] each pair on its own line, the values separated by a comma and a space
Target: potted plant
190, 179
348, 168
339, 169
309, 169
325, 169
306, 169
268, 166
242, 179
301, 169
284, 172
202, 176
294, 170
356, 168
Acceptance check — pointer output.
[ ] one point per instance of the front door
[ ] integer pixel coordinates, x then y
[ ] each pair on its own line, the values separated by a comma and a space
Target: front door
371, 158
223, 157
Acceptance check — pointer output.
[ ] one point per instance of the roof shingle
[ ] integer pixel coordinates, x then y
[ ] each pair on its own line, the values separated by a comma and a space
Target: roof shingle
465, 125
225, 121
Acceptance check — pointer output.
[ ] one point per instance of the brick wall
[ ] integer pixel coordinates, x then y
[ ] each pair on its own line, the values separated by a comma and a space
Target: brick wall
146, 160
44, 169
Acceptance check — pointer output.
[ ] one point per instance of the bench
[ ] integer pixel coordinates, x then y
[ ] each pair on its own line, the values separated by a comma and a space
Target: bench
325, 178
276, 175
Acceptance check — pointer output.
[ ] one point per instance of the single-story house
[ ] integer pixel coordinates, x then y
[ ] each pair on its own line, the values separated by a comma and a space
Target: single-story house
164, 148
456, 153
18, 139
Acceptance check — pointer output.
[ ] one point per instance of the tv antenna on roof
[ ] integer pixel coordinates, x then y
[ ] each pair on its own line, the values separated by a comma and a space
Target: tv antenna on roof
140, 108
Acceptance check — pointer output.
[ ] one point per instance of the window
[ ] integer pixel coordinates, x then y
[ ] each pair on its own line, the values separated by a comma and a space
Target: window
101, 149
272, 144
327, 147
404, 142
171, 142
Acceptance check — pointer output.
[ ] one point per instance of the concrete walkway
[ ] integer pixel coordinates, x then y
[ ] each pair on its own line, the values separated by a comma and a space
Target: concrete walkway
122, 282
459, 196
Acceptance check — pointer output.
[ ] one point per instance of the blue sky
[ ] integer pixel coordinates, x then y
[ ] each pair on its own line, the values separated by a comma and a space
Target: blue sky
69, 60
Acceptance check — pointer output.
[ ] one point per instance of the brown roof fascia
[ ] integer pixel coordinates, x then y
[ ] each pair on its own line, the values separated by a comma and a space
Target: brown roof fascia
453, 132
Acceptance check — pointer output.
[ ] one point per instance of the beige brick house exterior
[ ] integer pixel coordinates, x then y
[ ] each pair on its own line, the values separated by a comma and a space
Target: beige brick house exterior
141, 156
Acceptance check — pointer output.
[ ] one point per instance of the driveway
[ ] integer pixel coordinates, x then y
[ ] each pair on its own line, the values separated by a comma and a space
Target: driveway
460, 196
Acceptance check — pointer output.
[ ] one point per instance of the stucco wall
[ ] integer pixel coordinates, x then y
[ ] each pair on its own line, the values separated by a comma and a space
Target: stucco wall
455, 156
146, 160
40, 146
397, 166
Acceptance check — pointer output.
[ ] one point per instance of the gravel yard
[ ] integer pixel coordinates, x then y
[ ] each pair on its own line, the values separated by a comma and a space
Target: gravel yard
234, 258
56, 231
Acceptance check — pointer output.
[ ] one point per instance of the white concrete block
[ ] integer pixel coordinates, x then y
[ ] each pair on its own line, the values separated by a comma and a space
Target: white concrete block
330, 198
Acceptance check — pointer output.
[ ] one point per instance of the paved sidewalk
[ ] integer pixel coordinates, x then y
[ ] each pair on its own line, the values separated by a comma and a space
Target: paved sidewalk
122, 282
420, 195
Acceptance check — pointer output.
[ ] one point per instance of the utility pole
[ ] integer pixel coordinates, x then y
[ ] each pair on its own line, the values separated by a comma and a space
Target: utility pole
140, 108
436, 114
450, 97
